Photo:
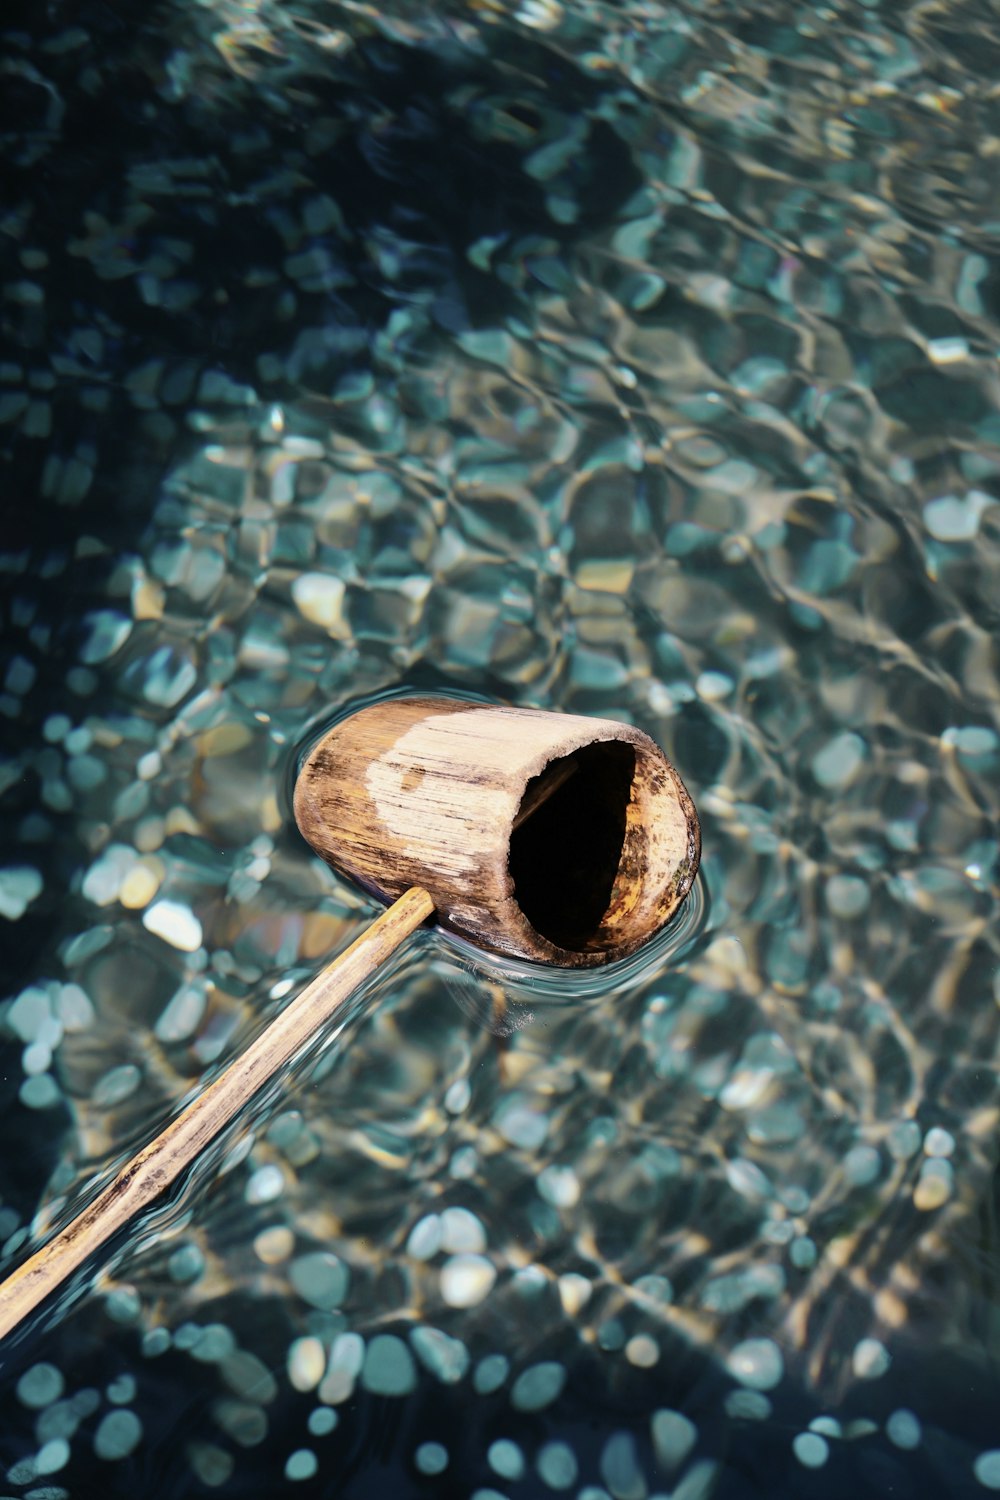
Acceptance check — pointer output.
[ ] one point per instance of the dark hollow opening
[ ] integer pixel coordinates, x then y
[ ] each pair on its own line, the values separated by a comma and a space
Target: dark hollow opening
567, 842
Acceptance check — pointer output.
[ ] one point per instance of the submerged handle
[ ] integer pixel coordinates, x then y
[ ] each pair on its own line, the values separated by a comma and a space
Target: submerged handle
159, 1164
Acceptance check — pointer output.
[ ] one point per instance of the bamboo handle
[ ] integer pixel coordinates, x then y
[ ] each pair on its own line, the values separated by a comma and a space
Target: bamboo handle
159, 1164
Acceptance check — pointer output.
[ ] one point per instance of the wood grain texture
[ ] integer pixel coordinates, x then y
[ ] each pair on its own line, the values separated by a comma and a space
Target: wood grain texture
429, 791
159, 1164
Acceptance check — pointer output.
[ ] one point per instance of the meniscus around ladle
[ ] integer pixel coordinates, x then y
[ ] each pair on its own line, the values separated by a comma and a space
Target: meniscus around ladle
561, 839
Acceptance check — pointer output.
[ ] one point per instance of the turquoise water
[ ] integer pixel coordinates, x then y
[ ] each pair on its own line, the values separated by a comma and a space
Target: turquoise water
633, 361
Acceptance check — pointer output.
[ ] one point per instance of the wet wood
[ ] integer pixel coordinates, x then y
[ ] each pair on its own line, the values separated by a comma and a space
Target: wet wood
474, 802
159, 1164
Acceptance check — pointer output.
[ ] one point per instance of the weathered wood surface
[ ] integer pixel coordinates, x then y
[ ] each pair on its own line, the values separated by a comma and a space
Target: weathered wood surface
433, 792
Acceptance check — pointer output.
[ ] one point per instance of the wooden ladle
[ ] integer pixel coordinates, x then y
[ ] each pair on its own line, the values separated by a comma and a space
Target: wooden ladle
566, 840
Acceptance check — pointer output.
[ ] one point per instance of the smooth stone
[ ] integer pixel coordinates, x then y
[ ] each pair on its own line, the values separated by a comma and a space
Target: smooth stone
757, 1363
556, 1465
987, 1469
870, 1360
389, 1369
951, 519
431, 1458
175, 924
939, 1142
40, 1386
620, 1468
118, 1435
538, 1386
847, 896
302, 1464
19, 886
322, 1421
442, 1355
838, 762
490, 1374
506, 1459
903, 1429
674, 1435
319, 598
320, 1279
811, 1450
425, 1238
461, 1231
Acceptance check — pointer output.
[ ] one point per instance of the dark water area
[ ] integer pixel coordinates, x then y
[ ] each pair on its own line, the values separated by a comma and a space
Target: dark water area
624, 360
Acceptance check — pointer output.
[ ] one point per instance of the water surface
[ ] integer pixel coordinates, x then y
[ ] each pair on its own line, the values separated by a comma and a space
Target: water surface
627, 360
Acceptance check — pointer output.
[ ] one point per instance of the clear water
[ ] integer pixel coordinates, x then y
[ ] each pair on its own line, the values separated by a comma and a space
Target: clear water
632, 360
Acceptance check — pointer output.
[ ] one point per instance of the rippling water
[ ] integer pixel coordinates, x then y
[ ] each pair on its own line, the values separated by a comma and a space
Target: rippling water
629, 360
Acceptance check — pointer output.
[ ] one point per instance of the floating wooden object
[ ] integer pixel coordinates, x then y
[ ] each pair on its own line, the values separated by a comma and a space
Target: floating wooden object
545, 836
566, 840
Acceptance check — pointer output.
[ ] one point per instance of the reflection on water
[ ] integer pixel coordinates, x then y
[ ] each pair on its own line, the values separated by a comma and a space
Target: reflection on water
632, 361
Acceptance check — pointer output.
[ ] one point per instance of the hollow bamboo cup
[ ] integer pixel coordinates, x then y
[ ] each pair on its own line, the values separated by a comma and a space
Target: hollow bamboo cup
545, 836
